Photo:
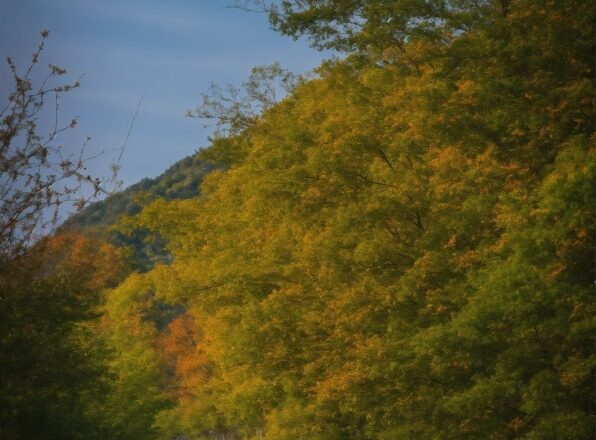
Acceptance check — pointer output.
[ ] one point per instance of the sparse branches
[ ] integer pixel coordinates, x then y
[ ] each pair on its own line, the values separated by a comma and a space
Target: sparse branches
229, 111
258, 6
36, 177
233, 110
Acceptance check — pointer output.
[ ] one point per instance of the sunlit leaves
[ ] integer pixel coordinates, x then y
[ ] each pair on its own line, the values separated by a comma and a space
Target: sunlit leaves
399, 249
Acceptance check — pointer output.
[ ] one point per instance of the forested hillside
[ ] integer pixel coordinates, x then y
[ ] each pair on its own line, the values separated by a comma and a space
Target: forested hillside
180, 181
402, 248
101, 219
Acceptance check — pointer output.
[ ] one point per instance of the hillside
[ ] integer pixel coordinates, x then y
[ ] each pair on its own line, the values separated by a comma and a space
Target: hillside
179, 181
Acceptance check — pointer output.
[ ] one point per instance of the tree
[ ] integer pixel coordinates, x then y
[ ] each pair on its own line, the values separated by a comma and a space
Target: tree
36, 177
233, 110
401, 248
375, 25
53, 365
52, 368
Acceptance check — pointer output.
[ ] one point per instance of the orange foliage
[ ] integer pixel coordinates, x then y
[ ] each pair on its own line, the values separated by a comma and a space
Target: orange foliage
183, 355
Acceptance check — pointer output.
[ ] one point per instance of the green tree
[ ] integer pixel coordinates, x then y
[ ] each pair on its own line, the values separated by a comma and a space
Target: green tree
52, 368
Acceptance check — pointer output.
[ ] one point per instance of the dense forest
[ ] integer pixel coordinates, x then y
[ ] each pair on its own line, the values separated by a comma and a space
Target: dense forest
400, 248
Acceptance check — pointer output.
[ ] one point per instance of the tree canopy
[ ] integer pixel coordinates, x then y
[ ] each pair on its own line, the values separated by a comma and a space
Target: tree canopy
401, 248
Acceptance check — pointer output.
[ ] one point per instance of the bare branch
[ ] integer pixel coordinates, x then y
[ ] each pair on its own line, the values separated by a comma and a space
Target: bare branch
255, 6
36, 180
233, 110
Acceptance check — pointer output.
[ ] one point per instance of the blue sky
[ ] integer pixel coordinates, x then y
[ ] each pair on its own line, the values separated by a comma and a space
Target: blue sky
168, 51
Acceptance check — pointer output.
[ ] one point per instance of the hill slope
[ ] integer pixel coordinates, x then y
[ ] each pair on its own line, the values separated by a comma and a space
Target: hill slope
180, 181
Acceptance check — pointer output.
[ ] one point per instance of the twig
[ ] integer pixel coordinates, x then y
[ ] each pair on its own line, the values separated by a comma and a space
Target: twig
132, 123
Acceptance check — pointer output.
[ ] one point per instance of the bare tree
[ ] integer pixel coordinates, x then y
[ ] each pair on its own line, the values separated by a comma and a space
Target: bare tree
37, 178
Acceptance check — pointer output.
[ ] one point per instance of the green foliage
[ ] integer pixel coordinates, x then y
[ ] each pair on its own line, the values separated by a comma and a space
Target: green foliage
135, 395
375, 25
180, 181
107, 218
52, 366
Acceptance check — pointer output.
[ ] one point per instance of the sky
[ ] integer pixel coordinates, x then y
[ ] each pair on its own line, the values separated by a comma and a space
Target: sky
168, 52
